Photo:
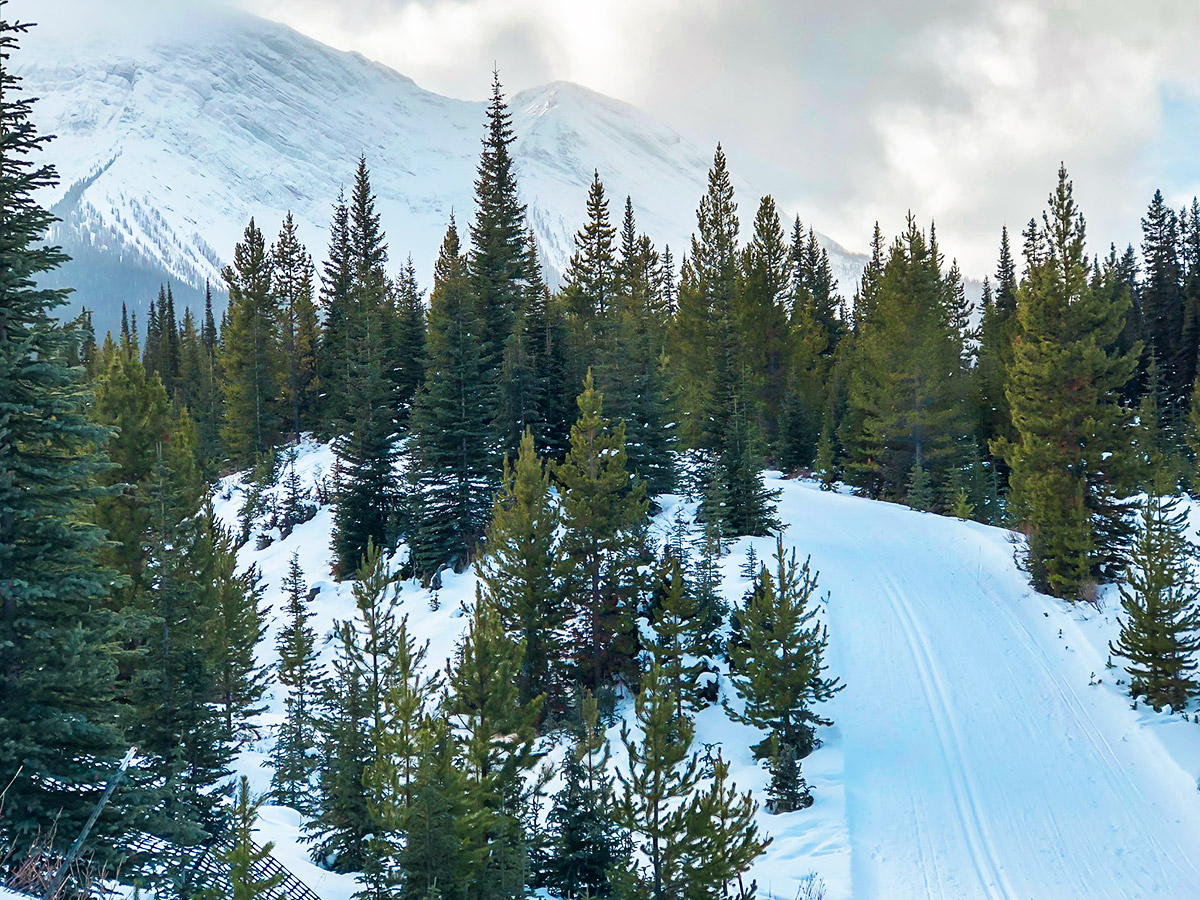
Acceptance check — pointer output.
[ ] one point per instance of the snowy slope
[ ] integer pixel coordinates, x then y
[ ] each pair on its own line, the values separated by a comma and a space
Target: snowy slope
971, 756
176, 129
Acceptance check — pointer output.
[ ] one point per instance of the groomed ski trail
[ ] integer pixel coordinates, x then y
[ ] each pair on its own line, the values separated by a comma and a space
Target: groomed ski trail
979, 763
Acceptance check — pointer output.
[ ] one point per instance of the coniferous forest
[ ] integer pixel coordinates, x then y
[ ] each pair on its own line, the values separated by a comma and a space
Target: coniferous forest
524, 427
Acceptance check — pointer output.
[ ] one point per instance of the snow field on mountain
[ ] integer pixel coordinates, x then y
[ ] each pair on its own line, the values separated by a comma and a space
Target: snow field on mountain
971, 755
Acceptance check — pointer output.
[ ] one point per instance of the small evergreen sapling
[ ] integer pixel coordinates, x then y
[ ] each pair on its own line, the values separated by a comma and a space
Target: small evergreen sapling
1160, 632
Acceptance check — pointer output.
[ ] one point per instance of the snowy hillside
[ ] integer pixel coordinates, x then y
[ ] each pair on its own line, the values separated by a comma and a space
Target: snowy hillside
973, 756
173, 133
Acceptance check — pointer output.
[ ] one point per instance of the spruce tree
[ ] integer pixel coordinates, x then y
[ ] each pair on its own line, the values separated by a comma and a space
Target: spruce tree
293, 761
683, 640
452, 459
590, 284
1162, 297
603, 512
777, 665
1069, 460
587, 844
293, 287
57, 713
408, 339
334, 357
1160, 629
251, 362
908, 391
499, 260
519, 572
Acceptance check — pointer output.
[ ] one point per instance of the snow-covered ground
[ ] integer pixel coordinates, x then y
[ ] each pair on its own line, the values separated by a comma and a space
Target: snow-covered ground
973, 754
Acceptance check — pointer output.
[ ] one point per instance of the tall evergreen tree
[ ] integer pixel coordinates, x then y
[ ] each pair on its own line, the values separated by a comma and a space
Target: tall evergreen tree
908, 387
334, 358
250, 361
293, 286
294, 763
1069, 459
1162, 297
57, 714
498, 733
519, 571
244, 858
591, 284
452, 469
499, 260
604, 512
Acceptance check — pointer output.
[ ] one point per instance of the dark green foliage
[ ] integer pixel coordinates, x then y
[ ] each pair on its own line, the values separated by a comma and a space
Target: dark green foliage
604, 513
407, 342
726, 842
441, 855
452, 451
339, 832
1160, 630
519, 571
252, 365
1162, 299
57, 714
299, 672
498, 733
334, 357
499, 258
777, 664
1070, 459
590, 285
734, 492
908, 387
533, 388
586, 842
684, 638
293, 287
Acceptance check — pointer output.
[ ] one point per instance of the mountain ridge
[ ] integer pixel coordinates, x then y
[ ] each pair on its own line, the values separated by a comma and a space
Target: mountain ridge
172, 136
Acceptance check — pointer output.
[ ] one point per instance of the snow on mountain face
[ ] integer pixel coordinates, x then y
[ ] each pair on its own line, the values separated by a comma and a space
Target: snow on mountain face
174, 134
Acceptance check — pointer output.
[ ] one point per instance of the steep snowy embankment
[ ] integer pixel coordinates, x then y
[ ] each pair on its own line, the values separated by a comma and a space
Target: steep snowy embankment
971, 757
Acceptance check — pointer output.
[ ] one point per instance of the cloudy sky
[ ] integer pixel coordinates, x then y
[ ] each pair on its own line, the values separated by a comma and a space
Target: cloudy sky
855, 111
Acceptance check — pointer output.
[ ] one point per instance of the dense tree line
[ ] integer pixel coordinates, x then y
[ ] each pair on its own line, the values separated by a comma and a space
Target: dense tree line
526, 433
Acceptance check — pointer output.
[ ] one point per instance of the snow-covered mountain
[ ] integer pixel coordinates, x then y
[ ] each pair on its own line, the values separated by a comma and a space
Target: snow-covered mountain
982, 748
171, 134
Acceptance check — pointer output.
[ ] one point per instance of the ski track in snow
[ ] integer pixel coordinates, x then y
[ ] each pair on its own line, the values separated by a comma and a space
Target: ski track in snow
1014, 789
970, 759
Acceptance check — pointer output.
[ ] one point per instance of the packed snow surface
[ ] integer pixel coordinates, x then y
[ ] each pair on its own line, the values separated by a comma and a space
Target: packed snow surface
982, 748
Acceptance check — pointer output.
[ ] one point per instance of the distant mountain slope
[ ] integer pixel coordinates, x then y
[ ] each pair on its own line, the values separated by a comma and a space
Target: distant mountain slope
172, 134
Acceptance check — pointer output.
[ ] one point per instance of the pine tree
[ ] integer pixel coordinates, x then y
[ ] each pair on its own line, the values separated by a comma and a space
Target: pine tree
1162, 296
603, 511
1160, 631
519, 572
778, 666
57, 714
1068, 460
251, 362
293, 287
440, 857
656, 789
908, 387
703, 346
533, 384
586, 842
498, 261
452, 451
498, 734
299, 671
334, 357
734, 493
590, 284
683, 638
763, 319
727, 841
245, 858
240, 623
408, 340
